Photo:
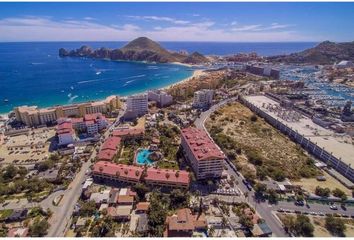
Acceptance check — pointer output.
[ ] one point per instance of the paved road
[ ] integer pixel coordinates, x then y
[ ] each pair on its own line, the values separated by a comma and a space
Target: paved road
61, 217
263, 209
314, 207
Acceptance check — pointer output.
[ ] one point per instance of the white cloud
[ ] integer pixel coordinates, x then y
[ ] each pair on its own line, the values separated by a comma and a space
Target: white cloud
234, 23
47, 29
196, 15
159, 18
89, 18
260, 27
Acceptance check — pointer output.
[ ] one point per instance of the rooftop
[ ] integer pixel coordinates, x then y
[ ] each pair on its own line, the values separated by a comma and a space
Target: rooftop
202, 146
324, 138
167, 175
121, 132
121, 170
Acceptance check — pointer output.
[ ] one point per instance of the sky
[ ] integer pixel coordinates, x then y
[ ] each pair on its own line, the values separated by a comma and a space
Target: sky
181, 21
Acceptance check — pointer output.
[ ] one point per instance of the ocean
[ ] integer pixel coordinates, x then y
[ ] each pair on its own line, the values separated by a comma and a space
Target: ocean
33, 74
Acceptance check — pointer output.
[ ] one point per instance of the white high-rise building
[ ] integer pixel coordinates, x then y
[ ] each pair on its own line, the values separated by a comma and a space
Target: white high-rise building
160, 97
137, 105
203, 98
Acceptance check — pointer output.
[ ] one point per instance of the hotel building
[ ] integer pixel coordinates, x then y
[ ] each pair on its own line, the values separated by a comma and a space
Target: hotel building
160, 97
204, 155
33, 116
137, 105
121, 173
203, 98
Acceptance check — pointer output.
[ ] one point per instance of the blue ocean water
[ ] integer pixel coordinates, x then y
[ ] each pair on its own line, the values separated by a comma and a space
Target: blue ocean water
33, 74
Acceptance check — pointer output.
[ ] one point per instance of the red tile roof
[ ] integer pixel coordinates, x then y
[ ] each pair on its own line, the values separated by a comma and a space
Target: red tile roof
142, 206
111, 143
127, 132
167, 176
201, 145
125, 199
120, 170
65, 127
183, 221
106, 155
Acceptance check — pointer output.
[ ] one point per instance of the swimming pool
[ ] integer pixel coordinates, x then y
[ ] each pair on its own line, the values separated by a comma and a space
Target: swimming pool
142, 157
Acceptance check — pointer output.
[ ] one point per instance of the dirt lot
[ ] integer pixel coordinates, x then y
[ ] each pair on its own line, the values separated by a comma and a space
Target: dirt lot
29, 148
310, 184
320, 229
275, 153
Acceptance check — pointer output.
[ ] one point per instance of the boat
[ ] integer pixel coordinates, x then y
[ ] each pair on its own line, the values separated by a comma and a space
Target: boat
6, 100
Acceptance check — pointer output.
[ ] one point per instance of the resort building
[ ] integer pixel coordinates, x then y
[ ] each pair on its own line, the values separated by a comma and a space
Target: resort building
167, 178
137, 105
90, 123
184, 223
109, 149
160, 97
203, 98
121, 173
65, 133
104, 170
126, 133
204, 155
33, 116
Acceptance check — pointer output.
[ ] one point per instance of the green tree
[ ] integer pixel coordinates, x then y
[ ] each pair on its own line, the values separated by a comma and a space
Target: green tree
246, 222
303, 226
141, 189
9, 172
339, 193
179, 199
157, 214
39, 228
335, 226
88, 208
322, 192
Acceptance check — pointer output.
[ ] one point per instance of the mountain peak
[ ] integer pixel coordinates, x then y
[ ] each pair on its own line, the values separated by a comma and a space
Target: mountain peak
142, 43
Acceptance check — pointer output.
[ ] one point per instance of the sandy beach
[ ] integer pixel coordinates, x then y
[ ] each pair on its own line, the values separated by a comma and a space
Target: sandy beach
196, 73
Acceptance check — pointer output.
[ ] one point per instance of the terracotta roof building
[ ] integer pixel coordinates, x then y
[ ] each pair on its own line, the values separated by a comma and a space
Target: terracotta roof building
183, 223
167, 178
142, 207
128, 133
117, 172
204, 155
109, 149
104, 170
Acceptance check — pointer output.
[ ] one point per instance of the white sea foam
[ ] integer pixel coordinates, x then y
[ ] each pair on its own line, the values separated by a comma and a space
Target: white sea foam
72, 98
137, 76
35, 63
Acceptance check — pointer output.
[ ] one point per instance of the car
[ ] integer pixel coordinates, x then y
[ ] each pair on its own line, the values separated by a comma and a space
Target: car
299, 203
333, 207
280, 210
343, 207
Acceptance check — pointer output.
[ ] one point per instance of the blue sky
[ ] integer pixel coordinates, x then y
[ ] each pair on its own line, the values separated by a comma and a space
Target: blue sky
231, 22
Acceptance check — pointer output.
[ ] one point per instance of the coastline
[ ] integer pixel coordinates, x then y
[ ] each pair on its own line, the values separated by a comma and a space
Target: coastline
196, 73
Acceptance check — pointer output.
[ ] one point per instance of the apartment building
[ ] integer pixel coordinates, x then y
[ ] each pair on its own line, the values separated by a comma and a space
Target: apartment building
137, 105
65, 133
204, 155
161, 98
33, 116
203, 98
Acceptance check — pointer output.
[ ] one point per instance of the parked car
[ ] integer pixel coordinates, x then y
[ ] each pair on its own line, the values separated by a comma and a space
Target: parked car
333, 207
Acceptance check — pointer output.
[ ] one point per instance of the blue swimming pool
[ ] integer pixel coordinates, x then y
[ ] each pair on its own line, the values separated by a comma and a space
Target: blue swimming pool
142, 157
